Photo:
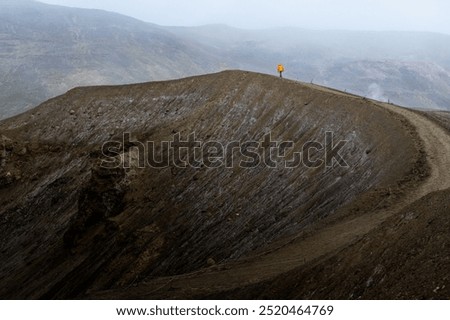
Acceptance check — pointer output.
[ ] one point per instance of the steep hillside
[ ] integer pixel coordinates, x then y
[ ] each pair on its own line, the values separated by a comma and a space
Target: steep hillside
70, 225
405, 258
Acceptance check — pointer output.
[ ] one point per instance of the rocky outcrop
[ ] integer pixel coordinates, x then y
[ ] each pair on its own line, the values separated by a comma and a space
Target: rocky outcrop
99, 200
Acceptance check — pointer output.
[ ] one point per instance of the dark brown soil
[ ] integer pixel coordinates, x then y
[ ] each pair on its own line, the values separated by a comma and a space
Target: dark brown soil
69, 228
407, 257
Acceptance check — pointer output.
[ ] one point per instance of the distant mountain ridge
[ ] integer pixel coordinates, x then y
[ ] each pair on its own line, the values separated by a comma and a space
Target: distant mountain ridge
46, 50
409, 68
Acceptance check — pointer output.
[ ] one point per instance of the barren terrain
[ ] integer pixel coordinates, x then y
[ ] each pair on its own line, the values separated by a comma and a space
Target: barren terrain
70, 228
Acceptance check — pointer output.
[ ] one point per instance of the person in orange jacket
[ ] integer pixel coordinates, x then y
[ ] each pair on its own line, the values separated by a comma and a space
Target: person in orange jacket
280, 69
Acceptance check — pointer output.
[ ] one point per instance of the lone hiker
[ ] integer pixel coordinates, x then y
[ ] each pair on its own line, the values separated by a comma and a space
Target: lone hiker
280, 69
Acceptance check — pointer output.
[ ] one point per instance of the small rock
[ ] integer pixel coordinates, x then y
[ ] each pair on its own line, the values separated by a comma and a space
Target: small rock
6, 179
211, 262
7, 144
72, 112
410, 216
23, 151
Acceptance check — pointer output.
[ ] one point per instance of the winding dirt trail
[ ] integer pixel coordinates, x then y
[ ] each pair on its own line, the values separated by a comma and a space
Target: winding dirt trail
326, 242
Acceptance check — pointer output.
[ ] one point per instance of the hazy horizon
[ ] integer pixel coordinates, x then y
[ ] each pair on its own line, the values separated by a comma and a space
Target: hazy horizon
362, 15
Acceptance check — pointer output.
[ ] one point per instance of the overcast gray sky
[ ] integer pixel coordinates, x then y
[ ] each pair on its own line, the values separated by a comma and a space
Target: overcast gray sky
414, 15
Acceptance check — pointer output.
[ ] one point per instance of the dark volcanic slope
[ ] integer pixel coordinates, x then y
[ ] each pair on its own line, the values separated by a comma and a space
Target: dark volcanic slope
406, 258
68, 226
